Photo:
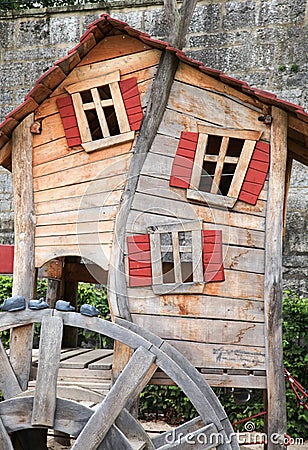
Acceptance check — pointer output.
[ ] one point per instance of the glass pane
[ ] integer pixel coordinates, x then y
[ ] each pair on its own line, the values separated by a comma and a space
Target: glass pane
104, 92
226, 178
112, 120
185, 238
207, 176
187, 272
166, 239
94, 125
86, 96
168, 272
213, 145
167, 257
186, 257
235, 147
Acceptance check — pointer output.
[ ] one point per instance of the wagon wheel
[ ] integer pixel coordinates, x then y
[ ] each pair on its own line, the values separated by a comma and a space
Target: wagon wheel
110, 426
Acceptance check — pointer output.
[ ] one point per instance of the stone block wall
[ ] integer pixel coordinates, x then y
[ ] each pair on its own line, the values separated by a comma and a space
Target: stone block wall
263, 42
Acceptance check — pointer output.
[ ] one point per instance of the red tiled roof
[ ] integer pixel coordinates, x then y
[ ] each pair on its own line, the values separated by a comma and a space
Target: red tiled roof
97, 30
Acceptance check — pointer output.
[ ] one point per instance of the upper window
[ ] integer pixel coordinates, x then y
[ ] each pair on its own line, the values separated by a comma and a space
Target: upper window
100, 111
221, 161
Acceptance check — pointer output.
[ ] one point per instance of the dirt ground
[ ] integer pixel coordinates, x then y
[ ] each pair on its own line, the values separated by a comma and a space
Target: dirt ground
155, 427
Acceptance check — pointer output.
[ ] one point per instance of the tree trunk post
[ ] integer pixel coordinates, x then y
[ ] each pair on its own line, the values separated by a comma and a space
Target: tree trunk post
276, 416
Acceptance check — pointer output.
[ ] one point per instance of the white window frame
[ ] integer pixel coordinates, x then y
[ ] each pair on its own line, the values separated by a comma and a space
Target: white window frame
158, 285
213, 198
92, 84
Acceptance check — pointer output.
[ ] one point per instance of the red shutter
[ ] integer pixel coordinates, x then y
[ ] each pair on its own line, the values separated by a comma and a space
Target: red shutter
6, 259
212, 255
132, 103
184, 160
68, 116
256, 174
139, 260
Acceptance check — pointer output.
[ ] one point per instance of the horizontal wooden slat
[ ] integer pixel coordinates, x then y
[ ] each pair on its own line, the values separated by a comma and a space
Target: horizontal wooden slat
126, 65
71, 229
73, 204
91, 171
79, 216
198, 306
76, 190
83, 360
203, 330
79, 159
71, 239
221, 356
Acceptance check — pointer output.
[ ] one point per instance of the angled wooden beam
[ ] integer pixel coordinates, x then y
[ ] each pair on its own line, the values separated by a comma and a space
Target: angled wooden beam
5, 441
9, 385
24, 226
44, 405
123, 389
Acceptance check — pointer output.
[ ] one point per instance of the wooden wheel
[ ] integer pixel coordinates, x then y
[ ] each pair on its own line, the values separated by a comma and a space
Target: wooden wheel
109, 426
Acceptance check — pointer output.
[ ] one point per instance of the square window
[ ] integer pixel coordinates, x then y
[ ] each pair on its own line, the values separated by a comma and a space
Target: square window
100, 112
176, 257
221, 161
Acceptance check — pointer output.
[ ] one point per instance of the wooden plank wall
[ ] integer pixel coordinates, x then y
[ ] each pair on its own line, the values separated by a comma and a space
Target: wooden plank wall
224, 327
77, 194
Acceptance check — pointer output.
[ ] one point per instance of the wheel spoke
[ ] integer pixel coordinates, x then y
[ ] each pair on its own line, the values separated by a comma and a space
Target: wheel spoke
124, 388
9, 385
5, 441
44, 404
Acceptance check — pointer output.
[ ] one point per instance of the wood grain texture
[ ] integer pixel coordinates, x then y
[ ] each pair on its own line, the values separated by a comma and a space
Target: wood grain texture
5, 441
103, 418
273, 276
9, 384
44, 404
24, 225
203, 330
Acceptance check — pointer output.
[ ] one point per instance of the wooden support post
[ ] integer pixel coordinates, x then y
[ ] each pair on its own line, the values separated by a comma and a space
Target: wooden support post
276, 416
5, 441
24, 263
44, 404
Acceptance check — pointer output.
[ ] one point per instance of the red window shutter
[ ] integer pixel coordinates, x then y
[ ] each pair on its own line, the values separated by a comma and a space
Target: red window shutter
212, 256
184, 160
139, 260
256, 174
132, 103
6, 259
69, 120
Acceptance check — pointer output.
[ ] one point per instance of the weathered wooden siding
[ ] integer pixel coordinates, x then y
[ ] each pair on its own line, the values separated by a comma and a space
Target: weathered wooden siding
224, 327
77, 194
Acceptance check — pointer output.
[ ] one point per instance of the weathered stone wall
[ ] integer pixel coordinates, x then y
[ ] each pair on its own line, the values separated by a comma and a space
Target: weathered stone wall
263, 42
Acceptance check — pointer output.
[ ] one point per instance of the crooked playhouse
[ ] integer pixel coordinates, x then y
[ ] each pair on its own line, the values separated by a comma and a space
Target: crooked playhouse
187, 237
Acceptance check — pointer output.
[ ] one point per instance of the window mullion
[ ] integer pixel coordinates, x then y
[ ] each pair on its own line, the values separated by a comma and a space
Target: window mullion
100, 112
82, 120
219, 165
176, 257
119, 108
241, 168
198, 161
197, 261
156, 258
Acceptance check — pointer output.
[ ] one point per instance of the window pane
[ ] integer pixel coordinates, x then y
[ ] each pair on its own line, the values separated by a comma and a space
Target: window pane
168, 272
226, 178
213, 145
166, 239
207, 176
104, 92
185, 238
235, 147
86, 96
94, 125
111, 120
167, 256
187, 272
186, 257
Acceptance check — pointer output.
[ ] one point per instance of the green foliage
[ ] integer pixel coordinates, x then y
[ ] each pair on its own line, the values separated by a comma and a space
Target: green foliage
167, 402
281, 68
294, 68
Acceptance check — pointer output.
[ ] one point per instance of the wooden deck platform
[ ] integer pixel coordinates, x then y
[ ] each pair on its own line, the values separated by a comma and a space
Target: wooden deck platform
91, 369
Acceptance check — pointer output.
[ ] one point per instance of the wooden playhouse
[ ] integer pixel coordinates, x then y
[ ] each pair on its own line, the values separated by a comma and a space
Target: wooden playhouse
185, 229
